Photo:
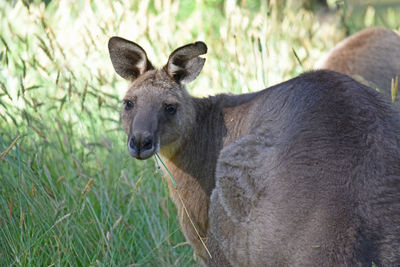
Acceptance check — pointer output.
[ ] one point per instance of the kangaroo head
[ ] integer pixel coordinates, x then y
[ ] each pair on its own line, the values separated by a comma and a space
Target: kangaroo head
158, 111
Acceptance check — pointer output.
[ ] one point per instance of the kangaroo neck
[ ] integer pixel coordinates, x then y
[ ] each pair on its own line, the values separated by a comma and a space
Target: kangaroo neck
198, 153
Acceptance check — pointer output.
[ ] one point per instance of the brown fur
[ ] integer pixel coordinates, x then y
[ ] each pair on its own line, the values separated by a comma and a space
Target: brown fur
294, 175
371, 56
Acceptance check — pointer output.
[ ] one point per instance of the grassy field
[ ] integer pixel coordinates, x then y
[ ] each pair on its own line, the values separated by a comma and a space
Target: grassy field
70, 195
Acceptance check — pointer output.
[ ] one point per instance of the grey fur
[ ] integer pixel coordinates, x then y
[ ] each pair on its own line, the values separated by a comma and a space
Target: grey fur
315, 182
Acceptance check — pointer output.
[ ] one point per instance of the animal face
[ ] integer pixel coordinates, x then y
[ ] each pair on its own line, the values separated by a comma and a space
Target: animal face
157, 111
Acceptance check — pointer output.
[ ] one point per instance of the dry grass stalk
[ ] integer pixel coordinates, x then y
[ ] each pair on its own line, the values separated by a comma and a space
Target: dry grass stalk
61, 219
109, 233
10, 208
181, 244
4, 153
395, 88
194, 227
184, 206
21, 218
87, 186
38, 131
33, 191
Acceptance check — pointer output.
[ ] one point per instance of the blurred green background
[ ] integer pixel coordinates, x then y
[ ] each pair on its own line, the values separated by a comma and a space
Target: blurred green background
69, 192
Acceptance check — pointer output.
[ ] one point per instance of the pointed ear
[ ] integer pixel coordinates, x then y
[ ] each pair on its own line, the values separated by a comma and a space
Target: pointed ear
129, 59
184, 64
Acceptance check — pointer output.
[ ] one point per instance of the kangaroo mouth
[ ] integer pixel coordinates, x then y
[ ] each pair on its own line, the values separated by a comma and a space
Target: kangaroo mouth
143, 152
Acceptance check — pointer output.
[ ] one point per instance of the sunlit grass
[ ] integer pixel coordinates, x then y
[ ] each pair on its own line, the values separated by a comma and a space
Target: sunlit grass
69, 192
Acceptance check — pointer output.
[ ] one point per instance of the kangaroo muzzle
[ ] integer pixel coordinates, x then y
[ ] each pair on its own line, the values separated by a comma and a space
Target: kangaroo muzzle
141, 145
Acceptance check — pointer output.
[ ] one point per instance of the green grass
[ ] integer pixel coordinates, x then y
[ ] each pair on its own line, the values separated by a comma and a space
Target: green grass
69, 192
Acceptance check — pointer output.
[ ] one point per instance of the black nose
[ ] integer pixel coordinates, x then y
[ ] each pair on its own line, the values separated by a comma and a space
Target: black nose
132, 144
138, 145
147, 144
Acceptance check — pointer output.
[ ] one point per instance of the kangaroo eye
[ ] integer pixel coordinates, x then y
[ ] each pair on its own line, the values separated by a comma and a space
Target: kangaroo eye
171, 109
128, 104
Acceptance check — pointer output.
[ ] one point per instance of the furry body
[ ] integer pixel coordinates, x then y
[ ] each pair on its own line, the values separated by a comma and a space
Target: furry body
304, 173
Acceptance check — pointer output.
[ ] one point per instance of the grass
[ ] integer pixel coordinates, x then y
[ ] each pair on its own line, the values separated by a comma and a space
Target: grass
69, 192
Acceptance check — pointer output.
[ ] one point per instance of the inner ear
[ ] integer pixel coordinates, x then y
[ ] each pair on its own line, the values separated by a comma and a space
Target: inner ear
184, 64
128, 58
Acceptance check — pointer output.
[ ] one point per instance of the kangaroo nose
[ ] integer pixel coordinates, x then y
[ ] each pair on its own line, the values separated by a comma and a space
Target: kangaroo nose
147, 144
141, 146
132, 144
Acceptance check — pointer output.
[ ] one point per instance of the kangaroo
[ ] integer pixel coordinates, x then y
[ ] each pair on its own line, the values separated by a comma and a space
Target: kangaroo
297, 174
371, 56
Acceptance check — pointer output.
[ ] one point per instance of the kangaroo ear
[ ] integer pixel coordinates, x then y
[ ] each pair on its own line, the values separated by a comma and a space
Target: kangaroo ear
129, 59
184, 64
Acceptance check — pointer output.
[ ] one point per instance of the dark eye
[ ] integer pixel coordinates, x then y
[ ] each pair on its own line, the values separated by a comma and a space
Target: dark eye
128, 104
171, 109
